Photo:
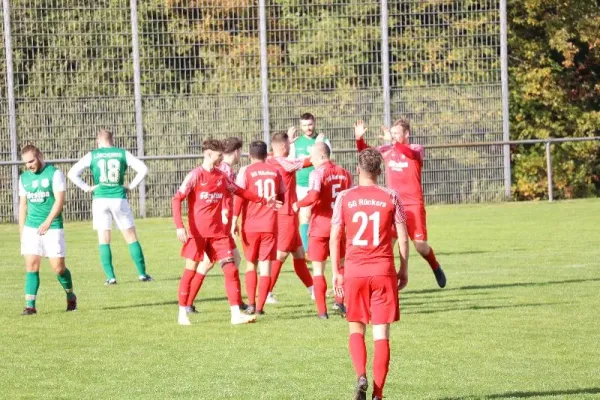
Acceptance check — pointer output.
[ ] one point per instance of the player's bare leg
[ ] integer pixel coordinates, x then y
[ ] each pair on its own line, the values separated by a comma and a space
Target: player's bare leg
64, 278
251, 283
358, 354
136, 253
32, 282
427, 253
320, 287
184, 289
381, 358
104, 237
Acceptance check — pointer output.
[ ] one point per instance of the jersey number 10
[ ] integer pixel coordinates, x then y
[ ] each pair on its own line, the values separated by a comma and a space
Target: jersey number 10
364, 219
110, 171
265, 188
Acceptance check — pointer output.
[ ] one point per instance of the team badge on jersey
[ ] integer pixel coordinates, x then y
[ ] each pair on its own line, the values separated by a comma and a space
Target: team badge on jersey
219, 182
45, 183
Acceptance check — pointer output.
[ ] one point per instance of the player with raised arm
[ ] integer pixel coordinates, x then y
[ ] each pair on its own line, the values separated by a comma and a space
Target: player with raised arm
302, 147
326, 182
41, 200
366, 215
109, 164
288, 235
404, 163
259, 223
204, 188
232, 152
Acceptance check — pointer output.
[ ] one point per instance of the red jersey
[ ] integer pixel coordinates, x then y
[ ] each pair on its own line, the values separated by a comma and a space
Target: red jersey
287, 167
227, 205
368, 213
265, 181
205, 191
324, 184
403, 169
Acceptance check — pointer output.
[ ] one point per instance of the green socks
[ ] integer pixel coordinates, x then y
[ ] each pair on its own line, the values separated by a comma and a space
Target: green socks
106, 260
135, 250
66, 282
304, 236
32, 284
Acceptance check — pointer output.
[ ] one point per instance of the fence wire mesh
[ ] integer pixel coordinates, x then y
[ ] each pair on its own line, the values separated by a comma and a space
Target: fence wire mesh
200, 68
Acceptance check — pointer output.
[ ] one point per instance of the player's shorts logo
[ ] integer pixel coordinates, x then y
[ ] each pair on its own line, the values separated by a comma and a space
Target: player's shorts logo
34, 184
45, 183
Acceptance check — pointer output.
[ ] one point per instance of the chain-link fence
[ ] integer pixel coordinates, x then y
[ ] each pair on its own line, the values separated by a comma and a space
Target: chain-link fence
166, 74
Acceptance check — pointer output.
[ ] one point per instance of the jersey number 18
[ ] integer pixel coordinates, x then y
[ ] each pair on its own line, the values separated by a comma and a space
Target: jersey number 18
110, 170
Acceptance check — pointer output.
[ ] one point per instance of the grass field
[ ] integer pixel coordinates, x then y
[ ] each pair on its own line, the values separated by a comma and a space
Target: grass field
520, 318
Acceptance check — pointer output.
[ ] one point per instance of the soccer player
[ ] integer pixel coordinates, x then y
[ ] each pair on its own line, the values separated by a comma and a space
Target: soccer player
232, 152
288, 236
259, 223
108, 165
302, 148
366, 215
205, 188
41, 200
326, 182
404, 163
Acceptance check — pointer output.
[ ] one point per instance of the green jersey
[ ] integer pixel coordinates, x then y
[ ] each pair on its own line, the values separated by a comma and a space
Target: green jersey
302, 148
40, 189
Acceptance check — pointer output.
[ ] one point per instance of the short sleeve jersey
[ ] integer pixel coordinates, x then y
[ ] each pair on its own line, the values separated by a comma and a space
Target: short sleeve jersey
328, 180
367, 214
287, 167
264, 180
108, 165
403, 165
40, 189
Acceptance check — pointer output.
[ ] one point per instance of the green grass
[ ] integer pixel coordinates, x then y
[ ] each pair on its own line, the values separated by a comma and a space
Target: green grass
520, 318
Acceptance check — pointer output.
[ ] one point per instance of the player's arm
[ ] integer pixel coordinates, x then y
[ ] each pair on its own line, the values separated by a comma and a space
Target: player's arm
314, 189
138, 166
188, 184
249, 196
76, 170
335, 237
238, 202
22, 207
59, 186
359, 132
400, 222
412, 152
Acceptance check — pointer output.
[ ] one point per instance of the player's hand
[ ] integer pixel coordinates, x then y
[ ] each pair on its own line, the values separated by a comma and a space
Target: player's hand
44, 227
338, 285
295, 207
274, 203
402, 278
359, 129
182, 235
224, 218
235, 230
126, 188
320, 138
387, 134
92, 188
292, 134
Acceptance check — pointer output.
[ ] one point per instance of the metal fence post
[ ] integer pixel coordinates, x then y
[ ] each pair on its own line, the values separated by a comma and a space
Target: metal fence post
549, 171
12, 111
137, 90
264, 70
385, 64
505, 94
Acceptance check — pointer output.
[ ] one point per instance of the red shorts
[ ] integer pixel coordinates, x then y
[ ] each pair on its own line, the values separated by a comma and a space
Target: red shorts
220, 248
372, 299
232, 245
259, 246
318, 248
416, 222
288, 236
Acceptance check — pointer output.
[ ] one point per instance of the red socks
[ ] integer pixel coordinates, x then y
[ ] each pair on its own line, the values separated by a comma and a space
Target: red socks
430, 258
338, 299
302, 271
184, 286
358, 353
263, 291
381, 364
233, 287
275, 270
195, 286
251, 287
320, 288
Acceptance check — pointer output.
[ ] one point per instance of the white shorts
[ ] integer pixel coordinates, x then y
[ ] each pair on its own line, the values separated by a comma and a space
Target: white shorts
51, 244
104, 210
304, 212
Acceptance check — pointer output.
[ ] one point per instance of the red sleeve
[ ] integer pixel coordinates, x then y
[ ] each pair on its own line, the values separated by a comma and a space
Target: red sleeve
186, 187
246, 195
238, 203
310, 199
361, 145
408, 152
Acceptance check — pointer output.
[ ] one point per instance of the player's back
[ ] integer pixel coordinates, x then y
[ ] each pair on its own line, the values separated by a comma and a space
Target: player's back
368, 214
108, 165
287, 168
264, 180
403, 171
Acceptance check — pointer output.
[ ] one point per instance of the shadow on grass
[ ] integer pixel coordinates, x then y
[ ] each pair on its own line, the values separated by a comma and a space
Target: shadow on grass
527, 395
503, 285
163, 303
459, 300
478, 308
